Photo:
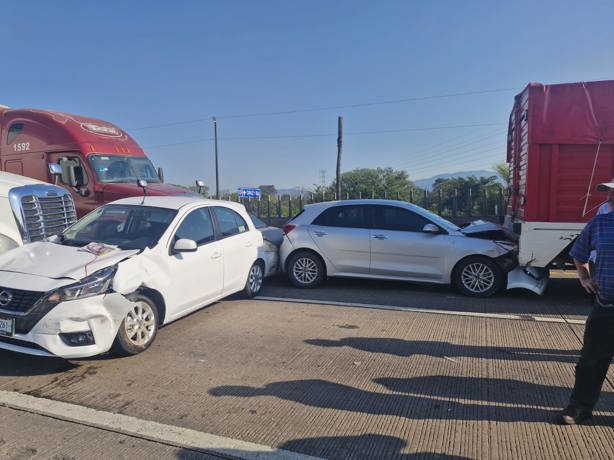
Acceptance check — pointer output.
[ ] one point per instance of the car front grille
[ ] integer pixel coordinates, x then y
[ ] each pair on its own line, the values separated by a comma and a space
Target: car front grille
18, 301
47, 215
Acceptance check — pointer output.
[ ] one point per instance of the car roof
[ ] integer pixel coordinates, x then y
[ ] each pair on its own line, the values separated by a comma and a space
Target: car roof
176, 202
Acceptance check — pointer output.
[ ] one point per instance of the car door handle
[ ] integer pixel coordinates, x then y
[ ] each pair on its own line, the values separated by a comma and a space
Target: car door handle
380, 237
319, 233
216, 255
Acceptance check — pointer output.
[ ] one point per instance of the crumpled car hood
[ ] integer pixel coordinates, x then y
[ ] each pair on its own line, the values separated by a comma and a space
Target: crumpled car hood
488, 231
56, 261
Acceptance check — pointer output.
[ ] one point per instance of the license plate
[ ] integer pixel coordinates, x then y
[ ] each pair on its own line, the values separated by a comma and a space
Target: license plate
7, 326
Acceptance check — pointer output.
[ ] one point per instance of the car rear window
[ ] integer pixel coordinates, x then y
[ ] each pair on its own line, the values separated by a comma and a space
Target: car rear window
344, 216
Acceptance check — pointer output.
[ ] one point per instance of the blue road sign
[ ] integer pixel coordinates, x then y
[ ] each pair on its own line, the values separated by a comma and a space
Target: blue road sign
245, 192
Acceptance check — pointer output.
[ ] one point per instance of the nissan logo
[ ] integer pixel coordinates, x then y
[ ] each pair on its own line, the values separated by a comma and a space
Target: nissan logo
5, 297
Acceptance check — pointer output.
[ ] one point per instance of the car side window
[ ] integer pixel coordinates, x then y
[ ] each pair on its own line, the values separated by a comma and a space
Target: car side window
197, 226
229, 222
399, 219
344, 216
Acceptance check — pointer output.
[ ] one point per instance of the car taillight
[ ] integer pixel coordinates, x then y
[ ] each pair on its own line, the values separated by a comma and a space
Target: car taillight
287, 228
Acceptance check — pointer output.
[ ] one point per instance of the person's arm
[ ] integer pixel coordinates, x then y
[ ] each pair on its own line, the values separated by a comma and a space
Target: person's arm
584, 276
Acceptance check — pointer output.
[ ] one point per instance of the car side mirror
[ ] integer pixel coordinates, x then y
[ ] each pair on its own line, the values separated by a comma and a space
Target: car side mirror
430, 228
185, 245
55, 170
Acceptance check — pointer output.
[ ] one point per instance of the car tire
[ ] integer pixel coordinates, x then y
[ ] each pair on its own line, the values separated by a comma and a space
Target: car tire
478, 276
139, 328
254, 280
306, 270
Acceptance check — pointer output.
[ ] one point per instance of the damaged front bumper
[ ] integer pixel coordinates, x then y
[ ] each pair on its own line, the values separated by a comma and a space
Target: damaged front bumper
531, 278
96, 318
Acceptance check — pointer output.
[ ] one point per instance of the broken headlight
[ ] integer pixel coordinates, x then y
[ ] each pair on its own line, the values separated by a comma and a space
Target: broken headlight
95, 284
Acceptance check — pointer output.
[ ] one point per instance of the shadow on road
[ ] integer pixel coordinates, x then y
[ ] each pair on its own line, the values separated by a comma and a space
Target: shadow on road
406, 348
329, 395
368, 446
363, 447
17, 364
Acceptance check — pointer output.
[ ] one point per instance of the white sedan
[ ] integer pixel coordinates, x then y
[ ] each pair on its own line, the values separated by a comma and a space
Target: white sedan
124, 270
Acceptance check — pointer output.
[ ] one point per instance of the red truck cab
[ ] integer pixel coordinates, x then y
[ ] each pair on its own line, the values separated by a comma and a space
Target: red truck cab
100, 162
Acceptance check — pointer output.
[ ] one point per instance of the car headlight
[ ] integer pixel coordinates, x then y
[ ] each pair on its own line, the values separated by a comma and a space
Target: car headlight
95, 284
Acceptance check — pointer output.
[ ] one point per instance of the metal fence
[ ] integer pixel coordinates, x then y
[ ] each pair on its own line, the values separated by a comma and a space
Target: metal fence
455, 203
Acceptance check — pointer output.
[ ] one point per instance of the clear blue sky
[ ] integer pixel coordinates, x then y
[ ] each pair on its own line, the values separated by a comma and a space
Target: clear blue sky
144, 63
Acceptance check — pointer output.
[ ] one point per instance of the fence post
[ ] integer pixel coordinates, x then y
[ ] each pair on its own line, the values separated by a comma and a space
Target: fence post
300, 202
411, 196
360, 195
484, 203
501, 200
278, 206
372, 193
426, 200
439, 201
455, 203
290, 205
347, 195
269, 208
398, 196
470, 199
258, 208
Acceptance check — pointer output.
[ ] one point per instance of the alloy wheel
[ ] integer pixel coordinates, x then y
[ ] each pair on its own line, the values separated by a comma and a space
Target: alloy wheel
477, 277
255, 278
140, 323
305, 270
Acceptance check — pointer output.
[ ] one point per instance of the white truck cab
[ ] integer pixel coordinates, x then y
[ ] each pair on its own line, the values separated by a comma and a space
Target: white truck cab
31, 210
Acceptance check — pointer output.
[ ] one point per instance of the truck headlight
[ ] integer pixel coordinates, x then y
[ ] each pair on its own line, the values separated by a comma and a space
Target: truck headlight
95, 284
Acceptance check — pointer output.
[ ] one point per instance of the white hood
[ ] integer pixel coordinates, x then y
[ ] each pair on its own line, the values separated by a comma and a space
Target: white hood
55, 261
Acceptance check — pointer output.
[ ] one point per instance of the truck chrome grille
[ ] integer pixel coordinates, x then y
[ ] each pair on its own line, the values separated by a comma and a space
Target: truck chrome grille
17, 301
47, 215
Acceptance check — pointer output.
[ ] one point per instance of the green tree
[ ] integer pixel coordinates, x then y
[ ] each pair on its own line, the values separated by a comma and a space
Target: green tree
373, 182
267, 190
503, 170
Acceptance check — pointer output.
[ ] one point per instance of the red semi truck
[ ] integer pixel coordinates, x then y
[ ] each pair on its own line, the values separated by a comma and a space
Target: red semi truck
560, 146
99, 161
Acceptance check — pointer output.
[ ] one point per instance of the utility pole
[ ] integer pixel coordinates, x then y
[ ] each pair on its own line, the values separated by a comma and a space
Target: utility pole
339, 147
217, 172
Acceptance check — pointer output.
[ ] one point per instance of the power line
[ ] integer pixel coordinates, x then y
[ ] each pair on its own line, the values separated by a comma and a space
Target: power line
352, 133
325, 108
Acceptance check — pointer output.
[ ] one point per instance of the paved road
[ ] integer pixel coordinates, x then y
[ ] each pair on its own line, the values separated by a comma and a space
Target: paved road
564, 296
331, 382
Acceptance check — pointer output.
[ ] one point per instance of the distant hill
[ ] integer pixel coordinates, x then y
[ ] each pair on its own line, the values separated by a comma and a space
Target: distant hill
428, 183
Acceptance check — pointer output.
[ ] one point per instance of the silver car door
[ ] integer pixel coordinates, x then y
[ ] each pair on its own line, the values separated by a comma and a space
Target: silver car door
341, 234
197, 276
399, 247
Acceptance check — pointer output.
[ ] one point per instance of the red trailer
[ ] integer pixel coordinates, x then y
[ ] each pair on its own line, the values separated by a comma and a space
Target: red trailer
100, 162
560, 146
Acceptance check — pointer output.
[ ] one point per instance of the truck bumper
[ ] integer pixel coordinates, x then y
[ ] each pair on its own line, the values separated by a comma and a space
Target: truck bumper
99, 316
531, 278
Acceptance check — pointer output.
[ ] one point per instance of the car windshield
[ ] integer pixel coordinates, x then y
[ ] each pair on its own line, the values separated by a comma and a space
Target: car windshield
125, 226
121, 168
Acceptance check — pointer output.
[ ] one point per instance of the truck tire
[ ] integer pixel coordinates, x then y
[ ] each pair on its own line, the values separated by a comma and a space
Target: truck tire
254, 280
478, 276
139, 328
306, 270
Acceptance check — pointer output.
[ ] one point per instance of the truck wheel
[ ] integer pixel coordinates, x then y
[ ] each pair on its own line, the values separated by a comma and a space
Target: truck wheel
254, 280
306, 270
139, 328
478, 276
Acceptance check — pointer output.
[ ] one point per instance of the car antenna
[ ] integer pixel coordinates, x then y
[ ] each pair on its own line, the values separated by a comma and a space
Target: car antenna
143, 184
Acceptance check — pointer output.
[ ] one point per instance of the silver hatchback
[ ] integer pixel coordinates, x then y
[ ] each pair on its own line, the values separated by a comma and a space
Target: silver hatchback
384, 239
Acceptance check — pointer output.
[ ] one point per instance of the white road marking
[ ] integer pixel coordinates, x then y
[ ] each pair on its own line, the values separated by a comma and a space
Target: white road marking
145, 429
543, 319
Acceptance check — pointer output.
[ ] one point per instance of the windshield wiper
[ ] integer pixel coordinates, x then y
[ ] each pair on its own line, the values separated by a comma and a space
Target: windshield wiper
66, 242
